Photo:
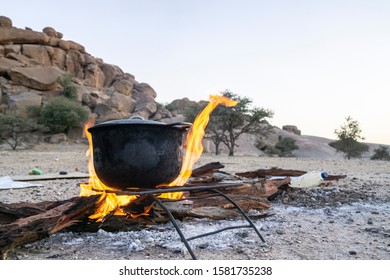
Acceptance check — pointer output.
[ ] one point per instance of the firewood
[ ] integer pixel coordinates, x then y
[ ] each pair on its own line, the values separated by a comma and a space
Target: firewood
206, 169
262, 173
35, 227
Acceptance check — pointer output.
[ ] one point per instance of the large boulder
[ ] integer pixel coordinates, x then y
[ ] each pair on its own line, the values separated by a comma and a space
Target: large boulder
121, 102
42, 54
111, 73
70, 45
21, 101
38, 77
292, 129
91, 96
144, 96
12, 48
105, 113
5, 22
74, 64
51, 32
23, 59
21, 36
59, 58
162, 114
7, 64
123, 86
94, 77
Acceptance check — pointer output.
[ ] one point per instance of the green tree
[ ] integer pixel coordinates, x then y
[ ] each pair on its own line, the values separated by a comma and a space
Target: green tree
242, 118
348, 136
14, 129
61, 113
381, 153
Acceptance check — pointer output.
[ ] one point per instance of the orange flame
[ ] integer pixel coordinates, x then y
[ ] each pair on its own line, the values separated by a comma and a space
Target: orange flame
110, 202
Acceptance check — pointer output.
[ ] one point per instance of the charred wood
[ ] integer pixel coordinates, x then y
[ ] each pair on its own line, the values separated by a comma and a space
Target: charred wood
38, 226
206, 169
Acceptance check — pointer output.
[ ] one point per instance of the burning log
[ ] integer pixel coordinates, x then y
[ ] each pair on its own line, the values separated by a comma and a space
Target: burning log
38, 226
11, 212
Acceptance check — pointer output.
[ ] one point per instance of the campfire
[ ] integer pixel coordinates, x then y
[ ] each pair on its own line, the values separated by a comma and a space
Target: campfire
111, 202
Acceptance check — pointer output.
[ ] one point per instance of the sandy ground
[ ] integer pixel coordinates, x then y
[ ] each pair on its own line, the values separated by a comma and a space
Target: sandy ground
349, 219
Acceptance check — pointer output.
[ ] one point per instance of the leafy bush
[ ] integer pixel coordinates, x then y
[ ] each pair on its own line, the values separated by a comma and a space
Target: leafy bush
283, 148
60, 114
381, 153
14, 129
272, 151
69, 90
34, 112
286, 146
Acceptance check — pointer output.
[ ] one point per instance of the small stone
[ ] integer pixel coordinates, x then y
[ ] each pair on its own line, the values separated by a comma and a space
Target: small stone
328, 211
331, 221
280, 231
352, 252
242, 234
240, 251
369, 221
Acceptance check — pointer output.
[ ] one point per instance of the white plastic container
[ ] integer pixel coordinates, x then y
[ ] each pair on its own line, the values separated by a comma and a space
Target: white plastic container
308, 180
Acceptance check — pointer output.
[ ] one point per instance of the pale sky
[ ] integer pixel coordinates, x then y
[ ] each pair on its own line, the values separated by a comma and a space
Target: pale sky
313, 63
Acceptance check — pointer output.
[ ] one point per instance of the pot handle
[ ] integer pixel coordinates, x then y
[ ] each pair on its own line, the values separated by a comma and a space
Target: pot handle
136, 118
180, 125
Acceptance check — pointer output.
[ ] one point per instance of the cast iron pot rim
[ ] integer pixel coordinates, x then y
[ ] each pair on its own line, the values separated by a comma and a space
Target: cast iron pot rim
137, 120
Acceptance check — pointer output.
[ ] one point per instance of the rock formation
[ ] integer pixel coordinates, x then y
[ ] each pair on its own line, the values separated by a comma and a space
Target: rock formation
292, 129
31, 63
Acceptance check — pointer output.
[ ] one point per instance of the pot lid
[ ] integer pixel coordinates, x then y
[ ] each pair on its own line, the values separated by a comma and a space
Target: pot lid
138, 120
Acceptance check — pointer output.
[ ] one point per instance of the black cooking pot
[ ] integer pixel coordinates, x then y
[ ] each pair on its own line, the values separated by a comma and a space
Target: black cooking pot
137, 153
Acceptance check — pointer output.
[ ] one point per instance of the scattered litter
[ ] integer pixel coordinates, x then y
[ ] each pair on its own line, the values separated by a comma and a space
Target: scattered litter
6, 182
308, 180
35, 171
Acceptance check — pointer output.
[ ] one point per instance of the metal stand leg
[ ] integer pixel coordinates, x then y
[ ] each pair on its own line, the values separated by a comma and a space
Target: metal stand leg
173, 221
252, 225
185, 240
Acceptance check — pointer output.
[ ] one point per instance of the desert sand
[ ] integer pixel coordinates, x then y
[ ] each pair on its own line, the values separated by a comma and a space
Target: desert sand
348, 219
